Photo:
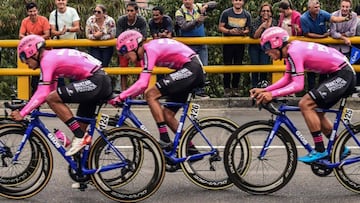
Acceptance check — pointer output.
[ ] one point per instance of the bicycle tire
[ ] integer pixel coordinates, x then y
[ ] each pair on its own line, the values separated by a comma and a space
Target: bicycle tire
209, 176
136, 154
253, 176
141, 185
11, 144
347, 175
39, 177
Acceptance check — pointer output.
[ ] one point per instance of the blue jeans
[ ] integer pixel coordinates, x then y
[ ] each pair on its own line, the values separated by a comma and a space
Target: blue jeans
202, 51
102, 54
258, 57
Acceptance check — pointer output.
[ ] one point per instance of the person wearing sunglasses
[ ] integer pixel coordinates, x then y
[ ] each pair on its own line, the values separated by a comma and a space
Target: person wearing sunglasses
301, 57
100, 26
188, 74
90, 85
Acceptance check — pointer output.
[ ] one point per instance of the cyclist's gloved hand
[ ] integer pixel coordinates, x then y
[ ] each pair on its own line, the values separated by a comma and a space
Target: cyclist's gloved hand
115, 101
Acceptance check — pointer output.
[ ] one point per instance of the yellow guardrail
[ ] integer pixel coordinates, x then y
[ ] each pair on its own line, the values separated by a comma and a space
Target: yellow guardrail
277, 68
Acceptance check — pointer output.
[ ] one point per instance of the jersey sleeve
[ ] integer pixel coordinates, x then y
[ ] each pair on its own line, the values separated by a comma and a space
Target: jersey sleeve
294, 85
293, 79
138, 87
38, 98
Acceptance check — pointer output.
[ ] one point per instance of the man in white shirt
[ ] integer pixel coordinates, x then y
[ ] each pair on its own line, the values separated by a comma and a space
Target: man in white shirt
64, 21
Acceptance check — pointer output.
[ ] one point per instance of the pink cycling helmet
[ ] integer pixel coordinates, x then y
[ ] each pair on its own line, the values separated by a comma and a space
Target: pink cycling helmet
128, 41
29, 46
274, 38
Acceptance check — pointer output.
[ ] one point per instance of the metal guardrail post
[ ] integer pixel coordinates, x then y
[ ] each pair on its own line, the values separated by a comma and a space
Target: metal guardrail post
23, 83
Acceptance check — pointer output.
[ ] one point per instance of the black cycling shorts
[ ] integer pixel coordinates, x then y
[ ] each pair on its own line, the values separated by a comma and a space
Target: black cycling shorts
87, 93
340, 84
177, 85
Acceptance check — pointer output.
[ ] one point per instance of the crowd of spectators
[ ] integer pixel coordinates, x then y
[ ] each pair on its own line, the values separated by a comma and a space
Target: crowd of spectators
189, 19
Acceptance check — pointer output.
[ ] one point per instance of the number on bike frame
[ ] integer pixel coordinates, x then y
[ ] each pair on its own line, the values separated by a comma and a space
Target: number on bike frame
347, 115
194, 110
102, 121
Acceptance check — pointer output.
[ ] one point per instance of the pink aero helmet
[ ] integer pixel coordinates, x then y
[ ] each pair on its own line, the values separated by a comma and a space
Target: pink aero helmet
29, 46
128, 41
273, 38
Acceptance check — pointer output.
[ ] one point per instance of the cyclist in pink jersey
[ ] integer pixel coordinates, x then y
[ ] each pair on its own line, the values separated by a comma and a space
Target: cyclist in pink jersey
307, 56
91, 84
188, 75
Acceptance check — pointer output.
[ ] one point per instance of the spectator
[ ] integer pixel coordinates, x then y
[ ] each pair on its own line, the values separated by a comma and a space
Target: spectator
161, 26
190, 19
344, 30
234, 21
130, 21
257, 55
289, 19
64, 21
357, 33
313, 25
34, 24
100, 26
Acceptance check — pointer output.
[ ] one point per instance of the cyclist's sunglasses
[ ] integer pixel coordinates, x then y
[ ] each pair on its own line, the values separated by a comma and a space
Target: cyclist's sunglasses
22, 57
266, 46
123, 50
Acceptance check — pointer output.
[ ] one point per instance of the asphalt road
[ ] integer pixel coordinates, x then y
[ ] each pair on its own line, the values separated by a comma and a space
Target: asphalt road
304, 186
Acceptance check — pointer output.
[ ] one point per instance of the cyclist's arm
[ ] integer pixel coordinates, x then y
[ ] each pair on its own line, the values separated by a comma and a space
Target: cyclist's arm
296, 85
142, 83
285, 80
138, 87
38, 98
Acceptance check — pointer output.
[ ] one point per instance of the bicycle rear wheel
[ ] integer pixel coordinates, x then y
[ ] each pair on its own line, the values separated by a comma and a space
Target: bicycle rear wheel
209, 172
252, 174
143, 172
30, 174
348, 175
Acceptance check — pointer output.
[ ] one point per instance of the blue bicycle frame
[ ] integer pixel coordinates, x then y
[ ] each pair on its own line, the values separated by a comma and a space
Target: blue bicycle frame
343, 115
36, 122
126, 113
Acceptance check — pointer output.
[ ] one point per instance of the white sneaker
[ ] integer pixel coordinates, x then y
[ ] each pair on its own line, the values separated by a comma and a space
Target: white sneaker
77, 144
75, 185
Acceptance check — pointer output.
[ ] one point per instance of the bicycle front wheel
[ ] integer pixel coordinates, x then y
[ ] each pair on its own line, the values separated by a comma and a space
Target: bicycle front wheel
138, 160
252, 173
31, 172
207, 172
347, 147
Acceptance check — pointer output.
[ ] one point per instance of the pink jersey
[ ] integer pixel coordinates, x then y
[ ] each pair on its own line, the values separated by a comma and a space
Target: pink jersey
68, 63
306, 56
162, 52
